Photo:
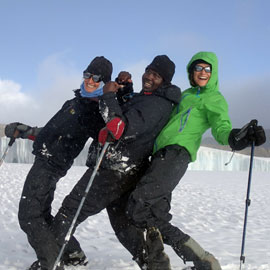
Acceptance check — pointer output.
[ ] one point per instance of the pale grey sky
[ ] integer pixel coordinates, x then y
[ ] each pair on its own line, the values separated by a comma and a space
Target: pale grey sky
45, 46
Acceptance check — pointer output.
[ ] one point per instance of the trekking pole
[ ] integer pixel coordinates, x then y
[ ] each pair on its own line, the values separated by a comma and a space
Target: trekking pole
248, 201
11, 141
68, 235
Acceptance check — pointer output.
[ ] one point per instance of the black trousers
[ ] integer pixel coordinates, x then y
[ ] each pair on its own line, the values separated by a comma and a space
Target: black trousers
149, 203
35, 209
144, 196
130, 236
108, 186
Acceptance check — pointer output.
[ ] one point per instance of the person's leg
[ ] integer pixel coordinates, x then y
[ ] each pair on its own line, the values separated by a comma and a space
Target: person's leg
144, 205
73, 254
157, 259
35, 212
131, 237
146, 247
35, 206
149, 205
107, 186
190, 250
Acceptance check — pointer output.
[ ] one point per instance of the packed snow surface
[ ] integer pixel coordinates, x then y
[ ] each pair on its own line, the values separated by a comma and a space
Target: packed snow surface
208, 205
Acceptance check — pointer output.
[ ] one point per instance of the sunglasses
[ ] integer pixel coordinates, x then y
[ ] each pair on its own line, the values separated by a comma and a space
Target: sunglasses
95, 78
200, 68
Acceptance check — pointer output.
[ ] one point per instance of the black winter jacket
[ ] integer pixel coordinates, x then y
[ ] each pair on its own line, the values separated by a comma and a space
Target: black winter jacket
64, 136
144, 116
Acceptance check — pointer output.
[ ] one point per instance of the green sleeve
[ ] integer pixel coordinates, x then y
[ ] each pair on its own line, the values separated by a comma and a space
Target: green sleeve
219, 120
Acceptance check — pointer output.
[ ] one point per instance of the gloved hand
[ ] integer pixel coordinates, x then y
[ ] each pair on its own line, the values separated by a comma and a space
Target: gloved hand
242, 138
110, 87
123, 78
126, 87
113, 130
23, 131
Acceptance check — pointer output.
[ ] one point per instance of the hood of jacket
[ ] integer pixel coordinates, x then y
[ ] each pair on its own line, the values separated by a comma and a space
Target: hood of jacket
211, 59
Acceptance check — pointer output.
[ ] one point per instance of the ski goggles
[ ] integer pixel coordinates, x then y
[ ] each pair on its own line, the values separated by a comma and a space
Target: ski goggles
95, 78
198, 68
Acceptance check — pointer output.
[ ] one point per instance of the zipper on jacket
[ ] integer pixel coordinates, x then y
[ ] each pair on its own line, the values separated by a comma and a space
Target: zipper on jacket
178, 106
198, 92
184, 118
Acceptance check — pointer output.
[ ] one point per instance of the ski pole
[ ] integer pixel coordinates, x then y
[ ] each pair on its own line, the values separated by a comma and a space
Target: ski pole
11, 141
248, 201
68, 235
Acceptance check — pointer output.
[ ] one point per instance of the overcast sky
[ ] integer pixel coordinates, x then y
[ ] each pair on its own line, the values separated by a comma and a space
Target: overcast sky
45, 46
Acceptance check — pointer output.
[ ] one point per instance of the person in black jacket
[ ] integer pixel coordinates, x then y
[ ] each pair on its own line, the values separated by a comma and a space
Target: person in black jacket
56, 146
73, 255
133, 127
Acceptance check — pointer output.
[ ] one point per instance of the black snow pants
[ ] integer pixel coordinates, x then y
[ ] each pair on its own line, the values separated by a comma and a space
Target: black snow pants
35, 208
149, 204
108, 186
131, 237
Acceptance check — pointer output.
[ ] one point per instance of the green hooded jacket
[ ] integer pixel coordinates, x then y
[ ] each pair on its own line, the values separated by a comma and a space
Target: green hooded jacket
199, 109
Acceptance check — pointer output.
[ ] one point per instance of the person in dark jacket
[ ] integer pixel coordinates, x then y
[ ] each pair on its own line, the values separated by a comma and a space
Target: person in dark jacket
55, 147
201, 107
133, 127
73, 255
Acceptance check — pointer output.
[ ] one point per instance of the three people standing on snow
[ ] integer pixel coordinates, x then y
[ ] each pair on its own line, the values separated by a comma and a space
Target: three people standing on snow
145, 189
201, 107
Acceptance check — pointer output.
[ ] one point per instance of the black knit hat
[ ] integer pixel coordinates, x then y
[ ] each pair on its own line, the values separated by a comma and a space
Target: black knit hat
163, 65
101, 66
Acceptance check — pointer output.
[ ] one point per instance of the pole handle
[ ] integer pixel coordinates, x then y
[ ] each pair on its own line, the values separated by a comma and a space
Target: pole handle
12, 140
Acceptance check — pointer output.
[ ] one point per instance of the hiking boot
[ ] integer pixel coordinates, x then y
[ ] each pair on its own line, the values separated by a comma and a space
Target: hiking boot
192, 251
142, 263
208, 263
36, 266
75, 258
157, 259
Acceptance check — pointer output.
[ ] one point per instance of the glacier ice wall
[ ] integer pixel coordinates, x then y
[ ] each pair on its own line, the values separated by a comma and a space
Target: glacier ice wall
207, 158
210, 159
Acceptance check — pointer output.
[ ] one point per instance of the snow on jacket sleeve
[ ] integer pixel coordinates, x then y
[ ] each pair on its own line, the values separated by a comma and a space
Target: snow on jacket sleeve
109, 107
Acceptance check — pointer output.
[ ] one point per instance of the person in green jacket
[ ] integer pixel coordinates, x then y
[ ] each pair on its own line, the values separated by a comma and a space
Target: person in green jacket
202, 106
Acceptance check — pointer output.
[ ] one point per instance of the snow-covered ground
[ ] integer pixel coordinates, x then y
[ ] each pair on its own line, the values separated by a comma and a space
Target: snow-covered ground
208, 205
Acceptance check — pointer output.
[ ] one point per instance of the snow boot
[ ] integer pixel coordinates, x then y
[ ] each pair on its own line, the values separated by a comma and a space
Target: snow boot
36, 266
192, 251
75, 258
157, 259
142, 263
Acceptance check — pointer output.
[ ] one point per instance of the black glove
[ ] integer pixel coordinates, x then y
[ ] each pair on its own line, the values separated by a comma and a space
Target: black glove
24, 131
244, 137
125, 92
